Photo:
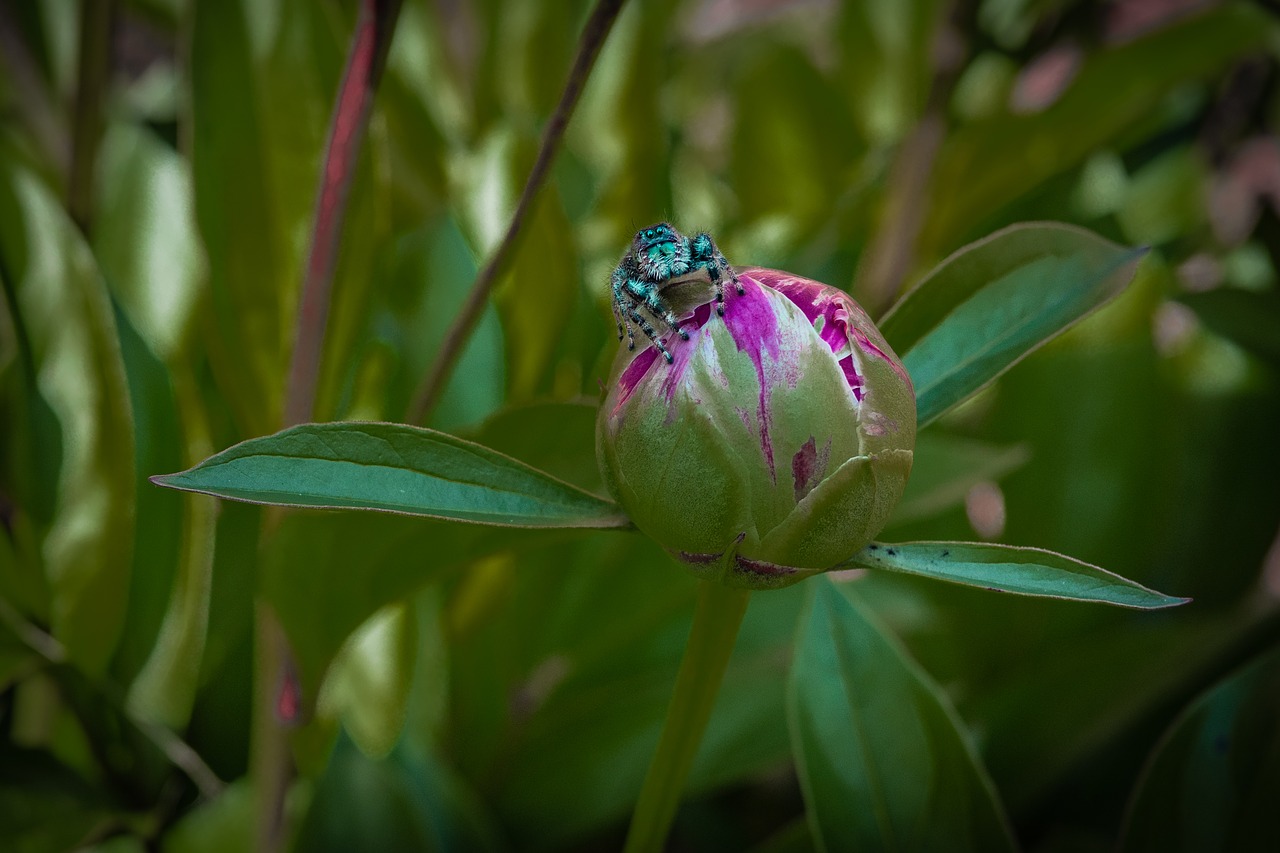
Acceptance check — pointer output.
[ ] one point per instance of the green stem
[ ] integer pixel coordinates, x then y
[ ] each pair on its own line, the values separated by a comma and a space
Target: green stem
433, 384
716, 619
96, 20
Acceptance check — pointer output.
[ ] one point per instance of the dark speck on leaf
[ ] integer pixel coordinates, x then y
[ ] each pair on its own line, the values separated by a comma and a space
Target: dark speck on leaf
873, 547
892, 553
945, 553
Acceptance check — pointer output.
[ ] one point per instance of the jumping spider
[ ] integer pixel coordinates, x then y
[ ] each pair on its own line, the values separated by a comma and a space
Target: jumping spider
657, 255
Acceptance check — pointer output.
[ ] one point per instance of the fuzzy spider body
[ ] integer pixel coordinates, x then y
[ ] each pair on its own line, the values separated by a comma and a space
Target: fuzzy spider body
657, 255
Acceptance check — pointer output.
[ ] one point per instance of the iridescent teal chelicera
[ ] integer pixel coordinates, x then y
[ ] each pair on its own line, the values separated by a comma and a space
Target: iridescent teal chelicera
777, 441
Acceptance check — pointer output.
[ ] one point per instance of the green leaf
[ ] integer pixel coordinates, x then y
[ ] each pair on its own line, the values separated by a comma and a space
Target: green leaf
1214, 780
991, 303
71, 448
429, 273
393, 468
883, 759
147, 242
369, 682
1009, 568
252, 264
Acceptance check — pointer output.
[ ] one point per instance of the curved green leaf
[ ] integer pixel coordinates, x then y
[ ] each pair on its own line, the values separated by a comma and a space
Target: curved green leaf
393, 468
1214, 780
991, 303
883, 759
1009, 568
66, 436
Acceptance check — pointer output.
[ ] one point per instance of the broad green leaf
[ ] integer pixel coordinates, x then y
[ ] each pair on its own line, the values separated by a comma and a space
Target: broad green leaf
429, 272
1095, 711
158, 527
393, 468
946, 467
1213, 781
368, 684
71, 448
251, 277
991, 303
1008, 568
883, 759
146, 241
987, 164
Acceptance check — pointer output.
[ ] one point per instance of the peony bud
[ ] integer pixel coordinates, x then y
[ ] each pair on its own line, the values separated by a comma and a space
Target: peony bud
774, 446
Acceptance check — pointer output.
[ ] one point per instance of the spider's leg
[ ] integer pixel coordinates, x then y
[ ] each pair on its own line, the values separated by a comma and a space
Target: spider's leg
631, 335
733, 276
706, 255
622, 301
650, 333
659, 307
617, 316
630, 304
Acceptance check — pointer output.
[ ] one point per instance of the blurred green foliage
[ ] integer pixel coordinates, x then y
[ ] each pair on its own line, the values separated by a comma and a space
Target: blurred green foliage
473, 690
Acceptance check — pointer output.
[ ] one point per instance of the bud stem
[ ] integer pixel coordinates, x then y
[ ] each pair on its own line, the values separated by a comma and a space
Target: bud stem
716, 619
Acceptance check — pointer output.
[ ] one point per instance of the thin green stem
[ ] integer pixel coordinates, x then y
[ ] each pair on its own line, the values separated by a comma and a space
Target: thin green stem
716, 619
96, 21
593, 35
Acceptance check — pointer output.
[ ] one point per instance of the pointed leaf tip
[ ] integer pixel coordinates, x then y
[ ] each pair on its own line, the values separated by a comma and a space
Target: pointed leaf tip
1014, 569
393, 468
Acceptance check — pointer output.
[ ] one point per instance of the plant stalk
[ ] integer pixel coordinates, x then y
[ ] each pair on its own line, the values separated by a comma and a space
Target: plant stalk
96, 21
365, 62
278, 703
593, 35
716, 619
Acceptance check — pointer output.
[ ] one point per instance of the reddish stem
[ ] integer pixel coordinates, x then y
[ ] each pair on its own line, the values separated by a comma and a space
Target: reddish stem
365, 62
278, 699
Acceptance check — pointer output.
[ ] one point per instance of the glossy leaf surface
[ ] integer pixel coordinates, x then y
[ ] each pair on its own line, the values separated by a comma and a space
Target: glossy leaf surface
394, 468
883, 759
1008, 568
990, 304
1214, 781
71, 445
